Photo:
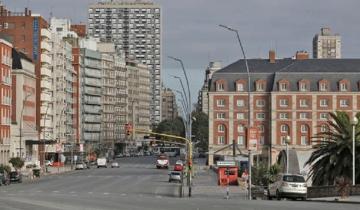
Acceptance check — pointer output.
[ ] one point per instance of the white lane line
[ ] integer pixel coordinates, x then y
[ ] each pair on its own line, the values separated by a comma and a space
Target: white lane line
158, 196
39, 191
72, 192
90, 192
123, 194
55, 191
106, 193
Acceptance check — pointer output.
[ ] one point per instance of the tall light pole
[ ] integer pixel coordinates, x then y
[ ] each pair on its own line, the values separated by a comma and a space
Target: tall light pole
183, 89
189, 122
21, 122
250, 123
287, 141
183, 101
353, 123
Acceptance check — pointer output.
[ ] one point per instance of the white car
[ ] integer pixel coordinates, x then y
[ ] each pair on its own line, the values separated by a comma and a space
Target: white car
288, 186
80, 166
115, 165
101, 162
175, 176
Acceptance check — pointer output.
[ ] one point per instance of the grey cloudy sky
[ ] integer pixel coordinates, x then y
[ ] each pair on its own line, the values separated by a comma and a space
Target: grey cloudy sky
191, 32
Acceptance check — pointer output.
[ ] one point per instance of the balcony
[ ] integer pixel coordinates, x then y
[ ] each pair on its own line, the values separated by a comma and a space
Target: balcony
45, 97
44, 110
45, 33
45, 46
48, 123
46, 59
46, 72
45, 84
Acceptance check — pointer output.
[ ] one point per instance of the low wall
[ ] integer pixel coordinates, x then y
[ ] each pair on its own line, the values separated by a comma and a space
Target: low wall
329, 191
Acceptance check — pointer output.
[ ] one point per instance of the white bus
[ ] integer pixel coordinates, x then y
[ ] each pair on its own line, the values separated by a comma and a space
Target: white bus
170, 151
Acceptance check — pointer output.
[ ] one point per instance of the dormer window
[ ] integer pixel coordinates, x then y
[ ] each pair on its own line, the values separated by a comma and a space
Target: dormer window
304, 85
240, 87
283, 85
323, 86
260, 85
344, 85
220, 85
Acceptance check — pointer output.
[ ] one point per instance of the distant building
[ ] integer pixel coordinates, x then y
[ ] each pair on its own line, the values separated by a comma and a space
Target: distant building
79, 29
23, 115
288, 97
203, 98
326, 44
5, 99
169, 105
135, 28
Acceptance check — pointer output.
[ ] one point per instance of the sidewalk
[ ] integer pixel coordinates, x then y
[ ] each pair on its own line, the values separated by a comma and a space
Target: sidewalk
205, 185
28, 174
350, 199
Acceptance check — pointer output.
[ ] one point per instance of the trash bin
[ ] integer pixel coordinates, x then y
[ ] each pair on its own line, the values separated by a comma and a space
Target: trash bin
36, 172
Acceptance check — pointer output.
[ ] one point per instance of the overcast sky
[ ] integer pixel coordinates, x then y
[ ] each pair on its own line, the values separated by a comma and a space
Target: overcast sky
190, 27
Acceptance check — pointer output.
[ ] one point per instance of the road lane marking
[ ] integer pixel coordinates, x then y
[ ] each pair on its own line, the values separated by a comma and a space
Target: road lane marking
123, 194
106, 193
55, 191
90, 192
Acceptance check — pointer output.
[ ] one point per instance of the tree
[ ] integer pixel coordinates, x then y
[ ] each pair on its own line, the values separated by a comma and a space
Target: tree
332, 158
5, 168
262, 175
171, 127
17, 162
200, 129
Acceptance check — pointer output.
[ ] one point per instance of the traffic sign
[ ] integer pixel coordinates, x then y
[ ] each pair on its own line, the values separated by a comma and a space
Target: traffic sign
253, 139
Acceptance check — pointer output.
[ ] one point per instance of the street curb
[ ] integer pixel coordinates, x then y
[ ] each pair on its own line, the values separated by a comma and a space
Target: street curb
334, 201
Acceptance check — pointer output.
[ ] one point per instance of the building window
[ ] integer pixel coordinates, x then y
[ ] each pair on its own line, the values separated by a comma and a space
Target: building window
324, 103
220, 102
262, 140
284, 102
343, 87
260, 116
221, 139
304, 140
240, 128
284, 129
220, 115
324, 128
220, 87
344, 103
303, 86
303, 103
304, 115
221, 128
240, 87
240, 116
323, 86
304, 129
283, 86
240, 103
260, 86
240, 140
323, 116
260, 103
283, 140
284, 116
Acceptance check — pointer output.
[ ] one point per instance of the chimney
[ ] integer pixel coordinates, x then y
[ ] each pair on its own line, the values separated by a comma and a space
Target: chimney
29, 12
272, 56
301, 55
26, 11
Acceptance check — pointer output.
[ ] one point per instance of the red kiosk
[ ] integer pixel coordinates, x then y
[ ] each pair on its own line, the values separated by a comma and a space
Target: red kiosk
227, 173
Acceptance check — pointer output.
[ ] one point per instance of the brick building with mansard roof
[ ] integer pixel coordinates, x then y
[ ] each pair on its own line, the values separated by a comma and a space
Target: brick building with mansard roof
290, 96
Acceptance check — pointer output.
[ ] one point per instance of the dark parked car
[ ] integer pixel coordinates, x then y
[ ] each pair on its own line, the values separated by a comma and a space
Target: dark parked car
15, 176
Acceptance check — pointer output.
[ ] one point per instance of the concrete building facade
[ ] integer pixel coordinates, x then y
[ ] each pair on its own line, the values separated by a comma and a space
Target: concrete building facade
135, 28
23, 114
169, 105
326, 44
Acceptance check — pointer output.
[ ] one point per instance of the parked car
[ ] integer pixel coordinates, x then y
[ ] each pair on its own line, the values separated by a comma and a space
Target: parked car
162, 161
15, 176
115, 165
119, 155
288, 186
80, 166
175, 176
4, 180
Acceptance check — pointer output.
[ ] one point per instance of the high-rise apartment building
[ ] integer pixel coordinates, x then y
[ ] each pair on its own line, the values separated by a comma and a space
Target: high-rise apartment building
135, 28
169, 105
203, 98
326, 44
5, 98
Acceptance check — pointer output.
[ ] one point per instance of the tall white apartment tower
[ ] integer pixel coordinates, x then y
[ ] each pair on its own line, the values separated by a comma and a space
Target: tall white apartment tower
135, 28
326, 44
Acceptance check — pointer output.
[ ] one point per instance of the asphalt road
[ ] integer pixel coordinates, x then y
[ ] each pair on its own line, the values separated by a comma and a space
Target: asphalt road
135, 185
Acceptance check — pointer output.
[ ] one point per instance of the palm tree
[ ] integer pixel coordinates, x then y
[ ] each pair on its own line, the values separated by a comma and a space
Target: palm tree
332, 157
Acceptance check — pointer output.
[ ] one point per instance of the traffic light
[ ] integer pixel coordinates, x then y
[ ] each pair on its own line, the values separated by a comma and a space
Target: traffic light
128, 129
190, 165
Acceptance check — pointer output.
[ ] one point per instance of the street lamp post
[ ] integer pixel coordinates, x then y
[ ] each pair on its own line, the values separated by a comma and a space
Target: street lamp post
248, 105
354, 123
288, 140
21, 123
189, 122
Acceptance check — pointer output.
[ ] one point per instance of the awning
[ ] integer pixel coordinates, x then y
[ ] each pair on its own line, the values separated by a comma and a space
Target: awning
40, 142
